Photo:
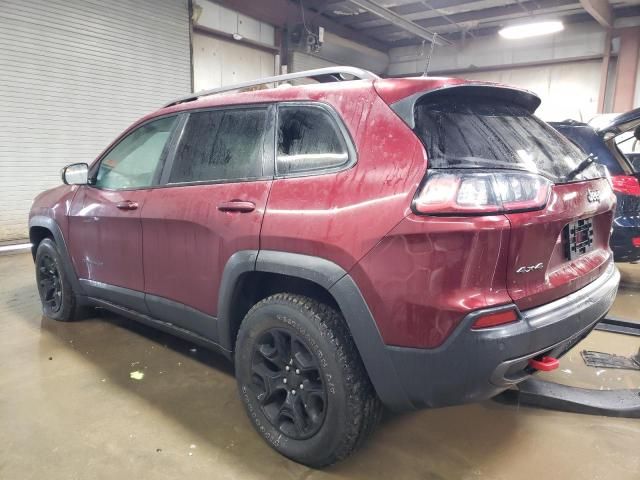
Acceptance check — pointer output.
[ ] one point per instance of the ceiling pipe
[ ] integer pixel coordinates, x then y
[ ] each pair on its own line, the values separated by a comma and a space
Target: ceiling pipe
401, 22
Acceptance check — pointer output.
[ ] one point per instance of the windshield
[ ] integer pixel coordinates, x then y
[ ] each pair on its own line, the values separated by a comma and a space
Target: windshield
484, 133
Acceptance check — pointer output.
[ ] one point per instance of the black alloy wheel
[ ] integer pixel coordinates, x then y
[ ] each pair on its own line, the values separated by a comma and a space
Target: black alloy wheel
287, 382
49, 283
302, 381
56, 292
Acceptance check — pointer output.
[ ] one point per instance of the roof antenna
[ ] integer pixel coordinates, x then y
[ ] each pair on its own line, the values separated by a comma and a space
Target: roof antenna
433, 44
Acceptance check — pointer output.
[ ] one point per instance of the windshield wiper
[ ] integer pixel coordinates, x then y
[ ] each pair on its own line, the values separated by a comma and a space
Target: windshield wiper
581, 166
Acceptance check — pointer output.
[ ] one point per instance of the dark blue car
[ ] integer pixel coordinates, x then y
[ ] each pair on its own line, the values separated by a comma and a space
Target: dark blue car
615, 141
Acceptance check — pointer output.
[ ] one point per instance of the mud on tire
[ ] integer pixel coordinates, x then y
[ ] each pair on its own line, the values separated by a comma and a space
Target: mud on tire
302, 381
56, 294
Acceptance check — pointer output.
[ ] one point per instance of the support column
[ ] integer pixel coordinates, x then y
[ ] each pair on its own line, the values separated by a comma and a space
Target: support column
626, 70
604, 72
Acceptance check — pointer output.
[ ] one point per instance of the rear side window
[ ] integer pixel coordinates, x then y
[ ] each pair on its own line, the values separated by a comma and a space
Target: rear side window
225, 144
484, 133
309, 139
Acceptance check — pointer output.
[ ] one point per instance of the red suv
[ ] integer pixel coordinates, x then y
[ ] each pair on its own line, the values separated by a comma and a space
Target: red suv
414, 242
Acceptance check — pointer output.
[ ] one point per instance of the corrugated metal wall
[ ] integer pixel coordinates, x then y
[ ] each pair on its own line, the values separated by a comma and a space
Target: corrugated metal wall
74, 74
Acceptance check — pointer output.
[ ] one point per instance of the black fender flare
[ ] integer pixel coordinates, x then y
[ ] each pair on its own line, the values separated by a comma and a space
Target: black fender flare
347, 295
51, 225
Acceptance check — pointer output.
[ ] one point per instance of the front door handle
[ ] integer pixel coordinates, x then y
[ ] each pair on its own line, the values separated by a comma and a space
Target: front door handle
237, 206
127, 205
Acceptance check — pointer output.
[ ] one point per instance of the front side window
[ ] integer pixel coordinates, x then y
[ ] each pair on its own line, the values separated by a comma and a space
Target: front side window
134, 161
308, 140
484, 133
218, 145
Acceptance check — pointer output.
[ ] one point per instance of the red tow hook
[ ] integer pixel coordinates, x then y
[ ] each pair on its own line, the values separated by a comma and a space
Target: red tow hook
546, 364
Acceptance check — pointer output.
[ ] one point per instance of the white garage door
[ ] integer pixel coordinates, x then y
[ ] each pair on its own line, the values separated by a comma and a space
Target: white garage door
74, 74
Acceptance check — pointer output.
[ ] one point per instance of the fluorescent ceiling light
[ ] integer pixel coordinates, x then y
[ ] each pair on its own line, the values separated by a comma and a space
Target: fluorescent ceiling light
527, 30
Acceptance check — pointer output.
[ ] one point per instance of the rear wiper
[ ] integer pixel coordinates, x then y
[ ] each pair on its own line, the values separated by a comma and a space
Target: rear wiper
581, 166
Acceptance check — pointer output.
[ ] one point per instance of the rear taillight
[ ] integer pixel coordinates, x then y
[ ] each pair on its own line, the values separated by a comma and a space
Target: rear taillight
496, 318
626, 184
635, 241
480, 193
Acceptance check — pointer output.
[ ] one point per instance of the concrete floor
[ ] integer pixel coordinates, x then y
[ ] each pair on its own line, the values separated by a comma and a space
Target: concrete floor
69, 408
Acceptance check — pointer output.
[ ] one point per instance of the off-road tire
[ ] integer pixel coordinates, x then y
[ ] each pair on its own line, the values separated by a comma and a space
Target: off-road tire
61, 304
352, 408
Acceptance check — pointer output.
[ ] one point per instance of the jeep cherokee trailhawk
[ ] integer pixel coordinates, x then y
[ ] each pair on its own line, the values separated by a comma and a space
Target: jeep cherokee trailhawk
414, 242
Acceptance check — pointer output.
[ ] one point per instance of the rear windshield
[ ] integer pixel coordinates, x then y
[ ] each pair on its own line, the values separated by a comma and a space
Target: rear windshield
483, 133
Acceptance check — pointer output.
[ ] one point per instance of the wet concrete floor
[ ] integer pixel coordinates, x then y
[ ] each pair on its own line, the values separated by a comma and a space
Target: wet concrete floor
107, 398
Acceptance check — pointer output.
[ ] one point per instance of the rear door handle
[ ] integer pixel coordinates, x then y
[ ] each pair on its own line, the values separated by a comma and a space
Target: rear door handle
127, 205
237, 206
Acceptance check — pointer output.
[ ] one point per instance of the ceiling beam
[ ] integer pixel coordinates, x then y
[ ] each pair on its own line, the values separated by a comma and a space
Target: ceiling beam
405, 9
493, 30
281, 13
600, 10
514, 9
400, 21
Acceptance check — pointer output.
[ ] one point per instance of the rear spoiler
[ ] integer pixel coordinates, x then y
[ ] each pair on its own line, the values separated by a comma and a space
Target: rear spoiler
404, 108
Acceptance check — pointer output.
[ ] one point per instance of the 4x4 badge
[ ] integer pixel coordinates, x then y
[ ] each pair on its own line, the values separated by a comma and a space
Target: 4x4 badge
593, 196
530, 268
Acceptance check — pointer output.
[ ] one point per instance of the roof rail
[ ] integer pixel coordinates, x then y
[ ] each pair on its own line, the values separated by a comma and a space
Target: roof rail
328, 74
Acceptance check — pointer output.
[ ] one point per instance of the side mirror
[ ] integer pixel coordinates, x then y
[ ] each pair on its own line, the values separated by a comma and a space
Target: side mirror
636, 132
76, 174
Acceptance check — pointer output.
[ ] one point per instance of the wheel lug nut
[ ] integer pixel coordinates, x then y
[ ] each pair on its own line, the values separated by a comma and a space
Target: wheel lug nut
287, 368
297, 371
301, 387
284, 380
291, 361
293, 392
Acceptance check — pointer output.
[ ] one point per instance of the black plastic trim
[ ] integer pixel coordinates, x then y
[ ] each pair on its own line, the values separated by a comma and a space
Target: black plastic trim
473, 365
125, 297
376, 357
238, 264
345, 292
51, 225
318, 270
183, 316
404, 108
159, 324
154, 310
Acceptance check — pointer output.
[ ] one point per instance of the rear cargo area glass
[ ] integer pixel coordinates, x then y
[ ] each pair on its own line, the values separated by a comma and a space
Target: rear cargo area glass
486, 134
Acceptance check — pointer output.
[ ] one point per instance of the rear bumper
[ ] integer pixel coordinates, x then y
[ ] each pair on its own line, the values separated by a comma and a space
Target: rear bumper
624, 229
474, 365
